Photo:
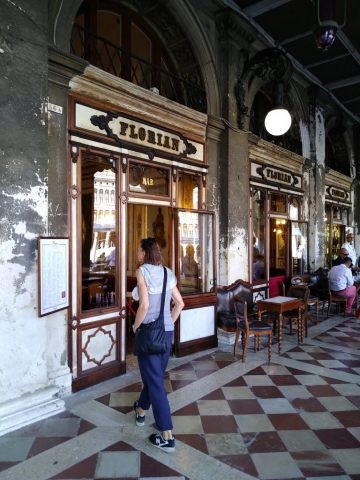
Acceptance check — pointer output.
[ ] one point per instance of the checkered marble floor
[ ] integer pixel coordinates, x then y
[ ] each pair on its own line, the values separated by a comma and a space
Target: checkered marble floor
297, 417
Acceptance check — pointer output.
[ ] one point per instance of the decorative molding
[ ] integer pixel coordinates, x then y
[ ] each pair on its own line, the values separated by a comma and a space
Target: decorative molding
74, 154
95, 84
231, 26
123, 312
268, 153
174, 174
113, 342
203, 206
124, 198
74, 192
124, 164
204, 180
74, 322
336, 179
173, 204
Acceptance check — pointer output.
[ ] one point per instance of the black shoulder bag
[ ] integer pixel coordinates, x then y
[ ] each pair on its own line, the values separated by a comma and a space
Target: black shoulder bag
150, 337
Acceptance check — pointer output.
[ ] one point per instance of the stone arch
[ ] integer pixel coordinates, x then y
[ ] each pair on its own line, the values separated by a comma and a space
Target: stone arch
191, 40
292, 100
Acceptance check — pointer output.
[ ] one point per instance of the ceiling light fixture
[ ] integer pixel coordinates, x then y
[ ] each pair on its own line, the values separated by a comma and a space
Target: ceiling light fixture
327, 24
278, 120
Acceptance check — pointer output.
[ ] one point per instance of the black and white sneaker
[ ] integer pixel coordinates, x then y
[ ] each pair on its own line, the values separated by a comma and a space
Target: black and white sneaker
140, 419
159, 442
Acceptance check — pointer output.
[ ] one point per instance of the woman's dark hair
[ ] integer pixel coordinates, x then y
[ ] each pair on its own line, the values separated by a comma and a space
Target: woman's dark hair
152, 251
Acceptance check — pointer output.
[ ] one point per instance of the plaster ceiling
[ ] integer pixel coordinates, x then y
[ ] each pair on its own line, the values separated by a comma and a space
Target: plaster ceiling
289, 24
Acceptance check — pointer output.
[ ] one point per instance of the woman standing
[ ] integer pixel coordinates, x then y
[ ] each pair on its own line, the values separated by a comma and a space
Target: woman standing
150, 278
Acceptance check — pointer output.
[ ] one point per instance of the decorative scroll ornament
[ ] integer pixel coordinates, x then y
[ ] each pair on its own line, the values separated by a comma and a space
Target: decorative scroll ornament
74, 192
123, 312
74, 154
204, 206
74, 322
123, 198
173, 203
153, 139
174, 175
271, 65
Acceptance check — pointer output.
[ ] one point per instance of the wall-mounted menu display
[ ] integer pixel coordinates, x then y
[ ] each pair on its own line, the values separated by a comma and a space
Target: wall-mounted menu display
53, 276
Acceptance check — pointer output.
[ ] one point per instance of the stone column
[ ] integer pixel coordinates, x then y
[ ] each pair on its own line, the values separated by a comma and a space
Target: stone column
234, 35
316, 183
62, 68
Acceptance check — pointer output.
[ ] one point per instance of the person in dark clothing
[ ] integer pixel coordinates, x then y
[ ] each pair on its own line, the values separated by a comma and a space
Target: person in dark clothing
342, 254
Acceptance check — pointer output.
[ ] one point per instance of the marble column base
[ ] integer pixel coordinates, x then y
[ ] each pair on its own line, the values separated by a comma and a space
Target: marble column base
29, 408
225, 338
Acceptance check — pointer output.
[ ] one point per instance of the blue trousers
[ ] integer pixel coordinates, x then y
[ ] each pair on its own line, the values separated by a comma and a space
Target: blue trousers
152, 370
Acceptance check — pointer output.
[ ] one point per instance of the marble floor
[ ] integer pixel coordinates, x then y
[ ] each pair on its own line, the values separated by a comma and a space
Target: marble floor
297, 417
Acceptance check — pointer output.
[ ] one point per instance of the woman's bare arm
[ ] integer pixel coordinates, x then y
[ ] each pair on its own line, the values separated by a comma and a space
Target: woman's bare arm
143, 300
179, 303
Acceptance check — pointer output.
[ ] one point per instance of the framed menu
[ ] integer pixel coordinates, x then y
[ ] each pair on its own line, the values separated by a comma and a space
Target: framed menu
53, 274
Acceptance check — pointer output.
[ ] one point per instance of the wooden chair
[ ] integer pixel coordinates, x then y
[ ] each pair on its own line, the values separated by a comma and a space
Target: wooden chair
293, 315
313, 299
255, 327
95, 289
281, 286
330, 297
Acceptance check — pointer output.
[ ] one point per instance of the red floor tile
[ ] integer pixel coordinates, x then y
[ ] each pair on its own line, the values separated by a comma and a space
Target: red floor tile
337, 438
176, 384
307, 405
317, 464
194, 441
263, 442
323, 391
191, 409
134, 387
85, 427
284, 380
267, 392
332, 381
238, 382
350, 418
215, 395
244, 407
288, 421
120, 447
152, 468
203, 373
243, 463
6, 465
105, 400
219, 424
355, 401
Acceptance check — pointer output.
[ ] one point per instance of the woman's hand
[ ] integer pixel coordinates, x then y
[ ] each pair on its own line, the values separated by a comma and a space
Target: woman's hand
178, 303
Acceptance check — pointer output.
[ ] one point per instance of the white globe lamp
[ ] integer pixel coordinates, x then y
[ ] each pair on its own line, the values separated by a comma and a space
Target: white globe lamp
278, 121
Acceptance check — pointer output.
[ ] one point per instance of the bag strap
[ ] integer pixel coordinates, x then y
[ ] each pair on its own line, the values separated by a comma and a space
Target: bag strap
163, 292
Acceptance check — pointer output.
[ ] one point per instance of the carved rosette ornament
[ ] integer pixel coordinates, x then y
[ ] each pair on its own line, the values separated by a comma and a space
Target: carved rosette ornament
74, 192
173, 203
123, 312
74, 322
204, 206
124, 198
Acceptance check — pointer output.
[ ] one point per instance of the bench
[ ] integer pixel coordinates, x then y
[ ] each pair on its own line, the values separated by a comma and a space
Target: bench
226, 317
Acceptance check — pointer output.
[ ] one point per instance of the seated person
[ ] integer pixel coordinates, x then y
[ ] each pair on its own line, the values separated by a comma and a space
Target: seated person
342, 254
342, 282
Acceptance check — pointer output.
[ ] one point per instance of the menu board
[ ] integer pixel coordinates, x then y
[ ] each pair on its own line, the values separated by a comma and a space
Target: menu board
53, 274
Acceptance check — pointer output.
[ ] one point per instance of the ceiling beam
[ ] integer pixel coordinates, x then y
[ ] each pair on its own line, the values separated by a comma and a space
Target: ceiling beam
295, 37
349, 46
342, 83
263, 6
326, 60
355, 99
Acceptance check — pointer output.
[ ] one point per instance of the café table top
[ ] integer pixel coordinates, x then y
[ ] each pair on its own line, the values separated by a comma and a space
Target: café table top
278, 300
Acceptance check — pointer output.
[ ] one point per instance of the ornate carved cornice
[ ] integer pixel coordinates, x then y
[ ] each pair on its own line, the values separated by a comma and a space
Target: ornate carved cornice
232, 27
271, 154
338, 179
63, 67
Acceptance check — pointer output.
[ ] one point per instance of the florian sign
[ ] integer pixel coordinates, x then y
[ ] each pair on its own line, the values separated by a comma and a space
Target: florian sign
277, 176
337, 193
128, 130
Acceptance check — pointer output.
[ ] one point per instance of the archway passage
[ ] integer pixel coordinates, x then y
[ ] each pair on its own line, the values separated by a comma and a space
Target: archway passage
143, 45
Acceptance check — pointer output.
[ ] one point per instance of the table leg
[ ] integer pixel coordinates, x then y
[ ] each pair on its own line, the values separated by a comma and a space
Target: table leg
280, 332
301, 327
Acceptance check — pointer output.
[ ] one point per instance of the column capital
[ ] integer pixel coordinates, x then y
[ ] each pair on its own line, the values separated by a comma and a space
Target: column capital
233, 28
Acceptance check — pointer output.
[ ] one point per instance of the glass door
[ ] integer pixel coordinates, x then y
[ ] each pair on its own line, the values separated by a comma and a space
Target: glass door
299, 253
277, 254
196, 273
